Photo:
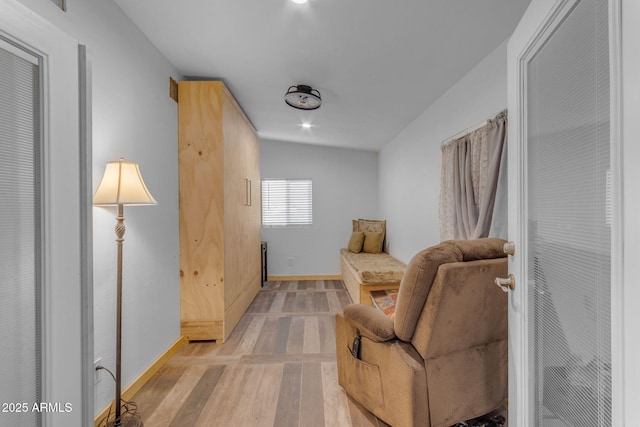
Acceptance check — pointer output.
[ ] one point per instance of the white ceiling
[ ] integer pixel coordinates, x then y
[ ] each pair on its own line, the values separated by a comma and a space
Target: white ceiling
377, 63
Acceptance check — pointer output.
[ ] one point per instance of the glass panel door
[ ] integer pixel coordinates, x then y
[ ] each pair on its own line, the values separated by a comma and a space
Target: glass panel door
568, 268
20, 236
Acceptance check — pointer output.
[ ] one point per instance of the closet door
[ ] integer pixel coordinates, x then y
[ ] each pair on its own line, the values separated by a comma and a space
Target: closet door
253, 226
560, 218
235, 201
201, 173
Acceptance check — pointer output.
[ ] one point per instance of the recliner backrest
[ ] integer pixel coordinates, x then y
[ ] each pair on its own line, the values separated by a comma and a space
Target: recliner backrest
464, 309
422, 272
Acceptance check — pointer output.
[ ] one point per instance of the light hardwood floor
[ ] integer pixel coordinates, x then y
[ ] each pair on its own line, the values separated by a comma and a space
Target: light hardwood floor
278, 368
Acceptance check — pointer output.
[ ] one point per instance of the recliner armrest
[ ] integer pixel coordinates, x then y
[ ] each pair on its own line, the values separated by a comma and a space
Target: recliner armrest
371, 322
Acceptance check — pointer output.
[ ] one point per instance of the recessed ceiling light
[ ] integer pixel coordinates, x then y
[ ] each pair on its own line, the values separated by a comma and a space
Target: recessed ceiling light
299, 1
306, 125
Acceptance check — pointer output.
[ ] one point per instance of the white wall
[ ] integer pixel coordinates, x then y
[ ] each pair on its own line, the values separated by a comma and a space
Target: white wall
133, 117
345, 186
410, 164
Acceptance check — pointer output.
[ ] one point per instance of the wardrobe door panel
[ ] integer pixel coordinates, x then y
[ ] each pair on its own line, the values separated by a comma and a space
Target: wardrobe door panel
201, 157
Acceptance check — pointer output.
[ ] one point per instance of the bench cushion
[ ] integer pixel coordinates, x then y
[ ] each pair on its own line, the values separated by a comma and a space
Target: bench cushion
375, 269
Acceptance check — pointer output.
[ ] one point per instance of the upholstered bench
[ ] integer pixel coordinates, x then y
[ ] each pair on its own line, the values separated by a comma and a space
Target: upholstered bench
364, 272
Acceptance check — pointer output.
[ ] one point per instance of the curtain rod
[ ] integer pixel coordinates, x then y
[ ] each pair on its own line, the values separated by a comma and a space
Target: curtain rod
471, 128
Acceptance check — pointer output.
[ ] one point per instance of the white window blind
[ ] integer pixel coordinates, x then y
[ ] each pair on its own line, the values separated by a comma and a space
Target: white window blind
20, 236
287, 202
569, 206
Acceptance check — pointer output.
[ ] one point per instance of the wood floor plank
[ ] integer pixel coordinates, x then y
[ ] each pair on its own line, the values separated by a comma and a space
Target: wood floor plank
173, 401
335, 306
250, 336
309, 301
271, 285
279, 358
288, 406
154, 391
311, 411
289, 302
320, 302
300, 303
278, 302
282, 337
336, 406
344, 298
261, 302
187, 361
360, 417
296, 336
226, 395
203, 348
194, 403
255, 379
333, 284
267, 338
311, 343
326, 329
262, 410
234, 339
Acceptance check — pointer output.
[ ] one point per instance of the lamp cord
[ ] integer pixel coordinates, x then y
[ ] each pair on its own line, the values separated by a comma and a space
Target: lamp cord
127, 407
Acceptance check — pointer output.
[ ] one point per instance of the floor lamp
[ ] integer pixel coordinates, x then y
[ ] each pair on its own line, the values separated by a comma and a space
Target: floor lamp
121, 185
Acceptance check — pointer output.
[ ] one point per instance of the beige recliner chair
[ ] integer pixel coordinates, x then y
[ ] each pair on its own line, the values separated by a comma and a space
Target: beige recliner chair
443, 358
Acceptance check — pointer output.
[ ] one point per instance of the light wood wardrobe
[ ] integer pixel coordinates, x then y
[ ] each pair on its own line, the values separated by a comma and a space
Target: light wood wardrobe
220, 271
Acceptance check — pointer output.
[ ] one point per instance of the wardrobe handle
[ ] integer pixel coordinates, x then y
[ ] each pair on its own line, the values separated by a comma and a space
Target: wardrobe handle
246, 192
250, 195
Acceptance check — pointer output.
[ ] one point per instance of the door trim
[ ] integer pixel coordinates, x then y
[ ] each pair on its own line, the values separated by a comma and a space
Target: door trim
86, 236
66, 330
617, 220
533, 29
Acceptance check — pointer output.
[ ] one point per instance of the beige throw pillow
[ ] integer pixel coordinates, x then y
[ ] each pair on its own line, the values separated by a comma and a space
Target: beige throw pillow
372, 242
372, 225
356, 241
375, 225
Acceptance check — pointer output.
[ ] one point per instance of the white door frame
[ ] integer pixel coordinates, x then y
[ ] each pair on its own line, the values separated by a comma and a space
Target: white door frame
67, 309
539, 17
628, 89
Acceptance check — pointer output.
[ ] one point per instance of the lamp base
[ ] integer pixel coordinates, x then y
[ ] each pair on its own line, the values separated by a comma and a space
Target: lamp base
126, 420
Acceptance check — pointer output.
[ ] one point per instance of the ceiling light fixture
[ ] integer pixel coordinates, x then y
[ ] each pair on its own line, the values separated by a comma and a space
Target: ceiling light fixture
306, 125
299, 1
303, 97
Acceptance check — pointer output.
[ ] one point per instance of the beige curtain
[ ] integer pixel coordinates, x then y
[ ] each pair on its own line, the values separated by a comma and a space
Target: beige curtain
473, 183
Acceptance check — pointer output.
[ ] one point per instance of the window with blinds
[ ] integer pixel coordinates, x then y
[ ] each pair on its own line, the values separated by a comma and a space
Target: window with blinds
287, 202
20, 235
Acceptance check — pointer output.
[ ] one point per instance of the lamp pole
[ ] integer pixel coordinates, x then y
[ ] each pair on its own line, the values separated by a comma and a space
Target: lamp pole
120, 229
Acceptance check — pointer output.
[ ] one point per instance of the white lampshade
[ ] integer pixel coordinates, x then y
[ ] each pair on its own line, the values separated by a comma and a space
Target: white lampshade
122, 184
